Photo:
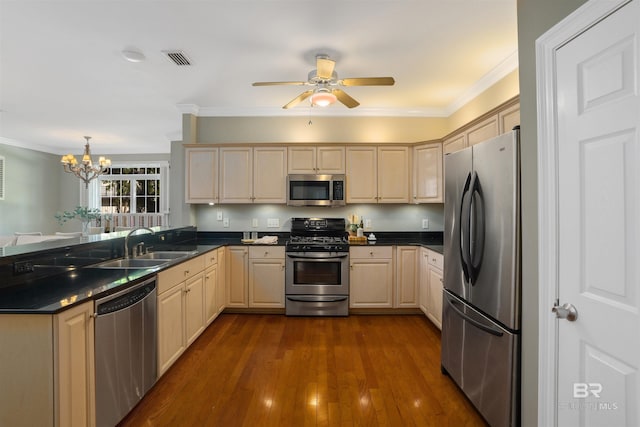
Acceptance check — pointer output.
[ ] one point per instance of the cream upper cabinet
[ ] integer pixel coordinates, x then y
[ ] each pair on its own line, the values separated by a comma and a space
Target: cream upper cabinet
455, 143
236, 175
378, 174
266, 277
201, 175
427, 173
269, 175
407, 283
253, 175
509, 118
482, 131
316, 160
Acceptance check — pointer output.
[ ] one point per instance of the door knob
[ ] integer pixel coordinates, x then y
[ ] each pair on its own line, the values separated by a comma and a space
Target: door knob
565, 311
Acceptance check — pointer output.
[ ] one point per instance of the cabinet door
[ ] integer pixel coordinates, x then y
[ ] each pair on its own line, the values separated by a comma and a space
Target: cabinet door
171, 332
509, 118
221, 290
266, 283
424, 281
236, 175
302, 160
237, 277
270, 175
201, 180
427, 174
484, 130
406, 276
455, 143
75, 377
210, 293
362, 174
393, 174
435, 297
194, 307
330, 160
371, 283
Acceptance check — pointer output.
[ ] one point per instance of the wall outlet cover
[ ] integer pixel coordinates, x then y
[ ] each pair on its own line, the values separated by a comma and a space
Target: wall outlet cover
219, 215
225, 222
367, 223
425, 223
273, 222
254, 222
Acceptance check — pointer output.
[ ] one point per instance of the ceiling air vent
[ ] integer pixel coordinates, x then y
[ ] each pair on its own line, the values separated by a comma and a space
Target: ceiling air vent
177, 56
1, 178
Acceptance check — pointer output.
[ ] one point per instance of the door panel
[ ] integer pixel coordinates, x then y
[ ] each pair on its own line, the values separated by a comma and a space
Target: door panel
598, 234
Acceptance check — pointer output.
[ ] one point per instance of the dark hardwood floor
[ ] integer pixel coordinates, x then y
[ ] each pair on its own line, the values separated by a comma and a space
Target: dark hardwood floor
273, 370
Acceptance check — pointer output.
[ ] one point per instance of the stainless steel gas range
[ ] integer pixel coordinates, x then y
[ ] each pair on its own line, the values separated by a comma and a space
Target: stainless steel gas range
317, 268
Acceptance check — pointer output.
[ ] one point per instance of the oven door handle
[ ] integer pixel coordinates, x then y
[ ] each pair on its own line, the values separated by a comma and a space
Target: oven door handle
317, 299
319, 256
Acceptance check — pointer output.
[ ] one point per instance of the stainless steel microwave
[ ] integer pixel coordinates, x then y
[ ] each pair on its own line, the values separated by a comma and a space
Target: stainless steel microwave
315, 190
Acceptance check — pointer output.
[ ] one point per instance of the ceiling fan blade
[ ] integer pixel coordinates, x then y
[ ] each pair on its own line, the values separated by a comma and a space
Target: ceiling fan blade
368, 81
278, 83
295, 101
325, 67
344, 98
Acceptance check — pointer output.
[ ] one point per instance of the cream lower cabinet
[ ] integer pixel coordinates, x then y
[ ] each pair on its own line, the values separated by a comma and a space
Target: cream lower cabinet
211, 285
37, 392
181, 309
237, 277
407, 282
371, 277
221, 289
424, 280
266, 277
435, 264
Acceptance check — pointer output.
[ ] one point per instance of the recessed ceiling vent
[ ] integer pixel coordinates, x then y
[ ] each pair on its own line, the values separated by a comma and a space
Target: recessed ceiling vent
177, 56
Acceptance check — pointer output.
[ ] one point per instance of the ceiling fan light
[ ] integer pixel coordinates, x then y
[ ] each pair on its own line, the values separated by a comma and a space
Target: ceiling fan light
323, 98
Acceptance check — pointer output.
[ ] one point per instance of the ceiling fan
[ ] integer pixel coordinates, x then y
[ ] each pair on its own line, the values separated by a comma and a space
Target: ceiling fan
326, 85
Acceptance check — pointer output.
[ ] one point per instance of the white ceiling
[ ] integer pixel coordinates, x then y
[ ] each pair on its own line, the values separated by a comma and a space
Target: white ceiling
62, 73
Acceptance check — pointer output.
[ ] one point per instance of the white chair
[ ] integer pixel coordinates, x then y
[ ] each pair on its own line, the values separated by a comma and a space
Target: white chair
28, 233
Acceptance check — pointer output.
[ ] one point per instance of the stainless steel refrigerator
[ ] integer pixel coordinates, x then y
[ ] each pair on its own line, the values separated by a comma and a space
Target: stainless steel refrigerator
482, 295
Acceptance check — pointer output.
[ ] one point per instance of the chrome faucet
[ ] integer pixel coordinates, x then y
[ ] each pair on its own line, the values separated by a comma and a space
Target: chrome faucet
126, 239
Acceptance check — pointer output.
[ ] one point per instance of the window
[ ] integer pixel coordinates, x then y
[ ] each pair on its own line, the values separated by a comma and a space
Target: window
133, 194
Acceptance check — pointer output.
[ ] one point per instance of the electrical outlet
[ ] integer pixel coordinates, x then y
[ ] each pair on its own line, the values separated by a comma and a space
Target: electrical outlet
219, 215
21, 267
254, 222
225, 223
425, 223
367, 224
273, 222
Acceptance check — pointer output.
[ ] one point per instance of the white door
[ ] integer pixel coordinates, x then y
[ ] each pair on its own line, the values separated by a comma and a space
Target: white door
597, 236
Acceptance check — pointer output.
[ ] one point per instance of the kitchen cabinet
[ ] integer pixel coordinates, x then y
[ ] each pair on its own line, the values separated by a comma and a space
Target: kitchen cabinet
509, 118
427, 173
221, 289
434, 300
181, 309
423, 292
455, 143
406, 277
253, 175
378, 174
266, 277
201, 175
237, 277
485, 129
211, 285
316, 160
37, 392
371, 277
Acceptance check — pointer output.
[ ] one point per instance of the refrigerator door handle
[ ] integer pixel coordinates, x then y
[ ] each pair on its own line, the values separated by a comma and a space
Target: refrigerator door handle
477, 228
474, 322
465, 206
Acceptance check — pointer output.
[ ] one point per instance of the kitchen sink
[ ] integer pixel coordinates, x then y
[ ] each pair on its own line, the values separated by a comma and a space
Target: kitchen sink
164, 255
132, 263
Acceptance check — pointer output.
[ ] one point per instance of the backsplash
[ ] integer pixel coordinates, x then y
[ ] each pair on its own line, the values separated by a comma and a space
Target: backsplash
382, 217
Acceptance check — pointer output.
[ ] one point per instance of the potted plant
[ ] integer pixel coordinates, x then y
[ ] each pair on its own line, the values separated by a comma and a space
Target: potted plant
82, 213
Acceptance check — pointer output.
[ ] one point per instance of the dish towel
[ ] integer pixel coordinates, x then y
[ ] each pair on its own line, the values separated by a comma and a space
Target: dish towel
266, 240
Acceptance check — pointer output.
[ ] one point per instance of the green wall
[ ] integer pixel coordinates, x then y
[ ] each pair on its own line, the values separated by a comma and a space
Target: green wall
535, 17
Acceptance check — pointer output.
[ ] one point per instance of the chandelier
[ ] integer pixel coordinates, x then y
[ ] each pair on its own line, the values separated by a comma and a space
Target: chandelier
85, 169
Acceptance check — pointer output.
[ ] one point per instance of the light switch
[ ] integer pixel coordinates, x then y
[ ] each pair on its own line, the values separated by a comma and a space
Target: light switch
273, 222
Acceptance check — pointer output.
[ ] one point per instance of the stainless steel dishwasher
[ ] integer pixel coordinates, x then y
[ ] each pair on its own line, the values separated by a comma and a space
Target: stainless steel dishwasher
125, 347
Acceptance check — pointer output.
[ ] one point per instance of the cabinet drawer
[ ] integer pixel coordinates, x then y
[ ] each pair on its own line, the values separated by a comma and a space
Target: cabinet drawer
178, 274
435, 259
210, 258
266, 252
368, 252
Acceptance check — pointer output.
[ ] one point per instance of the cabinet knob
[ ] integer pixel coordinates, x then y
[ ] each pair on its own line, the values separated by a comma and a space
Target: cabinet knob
266, 253
371, 253
186, 272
